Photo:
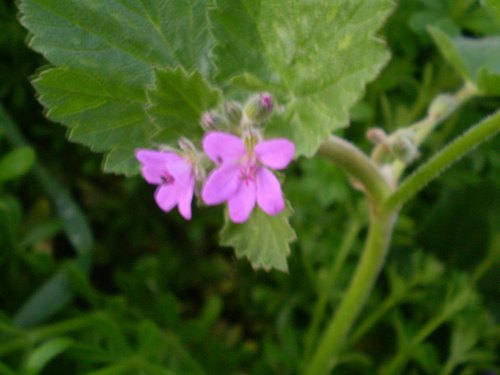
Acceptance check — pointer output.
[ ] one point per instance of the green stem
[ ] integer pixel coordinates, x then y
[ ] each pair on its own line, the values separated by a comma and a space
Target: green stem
449, 155
362, 283
357, 164
326, 289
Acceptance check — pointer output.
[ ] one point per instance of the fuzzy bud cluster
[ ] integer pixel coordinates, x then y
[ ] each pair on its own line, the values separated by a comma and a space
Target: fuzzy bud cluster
442, 106
235, 117
404, 148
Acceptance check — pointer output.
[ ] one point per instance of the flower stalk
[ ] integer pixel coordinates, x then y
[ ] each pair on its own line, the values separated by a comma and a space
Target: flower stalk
362, 283
358, 165
385, 206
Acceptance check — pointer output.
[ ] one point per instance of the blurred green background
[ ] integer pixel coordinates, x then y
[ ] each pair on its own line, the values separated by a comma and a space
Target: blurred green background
95, 279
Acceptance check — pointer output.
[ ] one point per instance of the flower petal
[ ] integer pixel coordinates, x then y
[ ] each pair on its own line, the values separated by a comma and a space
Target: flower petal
275, 153
221, 184
155, 158
153, 174
166, 197
242, 202
223, 147
180, 169
185, 198
154, 164
269, 196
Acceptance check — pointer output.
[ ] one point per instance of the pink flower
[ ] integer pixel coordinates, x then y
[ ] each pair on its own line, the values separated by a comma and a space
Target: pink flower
174, 176
242, 177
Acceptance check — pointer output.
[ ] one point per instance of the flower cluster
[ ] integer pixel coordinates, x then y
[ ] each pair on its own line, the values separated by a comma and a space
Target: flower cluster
242, 176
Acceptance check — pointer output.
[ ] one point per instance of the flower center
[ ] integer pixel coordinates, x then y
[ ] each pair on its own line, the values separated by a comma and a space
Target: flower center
167, 178
247, 171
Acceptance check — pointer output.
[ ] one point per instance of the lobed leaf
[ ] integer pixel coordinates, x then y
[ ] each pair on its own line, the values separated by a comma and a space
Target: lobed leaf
105, 53
263, 239
316, 56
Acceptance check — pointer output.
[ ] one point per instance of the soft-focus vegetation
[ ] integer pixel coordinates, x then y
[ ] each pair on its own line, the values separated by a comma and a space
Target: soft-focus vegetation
95, 279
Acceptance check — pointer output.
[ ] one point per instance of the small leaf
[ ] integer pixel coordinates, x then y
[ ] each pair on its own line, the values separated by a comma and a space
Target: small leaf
263, 239
178, 100
42, 355
16, 163
475, 59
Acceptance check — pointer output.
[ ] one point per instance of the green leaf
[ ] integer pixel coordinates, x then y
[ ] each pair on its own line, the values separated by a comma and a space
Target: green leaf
105, 53
493, 6
315, 56
99, 114
178, 100
475, 59
42, 355
263, 239
16, 163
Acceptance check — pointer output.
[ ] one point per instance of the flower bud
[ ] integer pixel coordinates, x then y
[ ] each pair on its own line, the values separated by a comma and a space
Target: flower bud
213, 121
233, 112
259, 107
442, 106
376, 135
186, 146
404, 149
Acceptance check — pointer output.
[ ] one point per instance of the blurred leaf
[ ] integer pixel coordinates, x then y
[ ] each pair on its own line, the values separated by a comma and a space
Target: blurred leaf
210, 313
90, 353
314, 56
54, 294
150, 341
493, 6
45, 352
177, 101
104, 62
10, 220
16, 163
123, 367
75, 224
263, 239
111, 330
475, 59
42, 231
4, 370
427, 357
80, 284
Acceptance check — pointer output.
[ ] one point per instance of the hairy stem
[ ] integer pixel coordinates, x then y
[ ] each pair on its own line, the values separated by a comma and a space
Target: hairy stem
362, 283
357, 164
449, 155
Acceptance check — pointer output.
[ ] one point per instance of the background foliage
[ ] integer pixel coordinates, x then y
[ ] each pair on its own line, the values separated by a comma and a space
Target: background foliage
131, 290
